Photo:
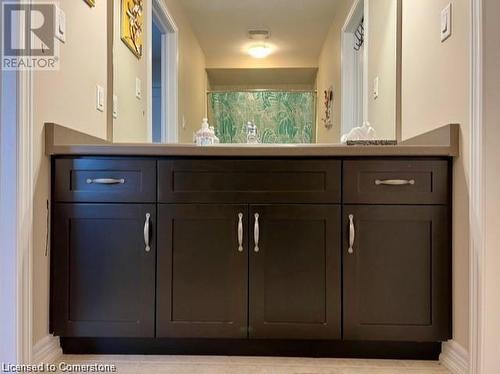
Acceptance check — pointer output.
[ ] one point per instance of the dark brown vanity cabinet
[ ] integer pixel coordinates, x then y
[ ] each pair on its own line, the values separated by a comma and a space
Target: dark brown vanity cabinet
252, 249
396, 256
103, 274
103, 257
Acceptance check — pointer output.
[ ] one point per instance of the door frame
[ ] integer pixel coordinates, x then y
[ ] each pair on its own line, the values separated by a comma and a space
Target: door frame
159, 12
477, 219
16, 213
348, 57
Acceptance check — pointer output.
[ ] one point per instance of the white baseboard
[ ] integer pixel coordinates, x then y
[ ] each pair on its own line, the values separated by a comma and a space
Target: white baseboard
454, 357
47, 350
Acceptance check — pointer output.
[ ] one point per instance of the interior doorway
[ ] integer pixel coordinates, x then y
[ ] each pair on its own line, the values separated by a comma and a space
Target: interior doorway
354, 52
163, 75
158, 112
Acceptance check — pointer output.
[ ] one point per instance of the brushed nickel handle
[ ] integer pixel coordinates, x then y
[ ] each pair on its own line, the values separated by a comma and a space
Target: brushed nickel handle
106, 181
146, 232
352, 234
395, 182
256, 233
240, 232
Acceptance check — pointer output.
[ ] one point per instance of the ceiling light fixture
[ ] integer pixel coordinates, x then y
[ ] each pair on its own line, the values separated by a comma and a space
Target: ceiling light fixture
259, 48
259, 51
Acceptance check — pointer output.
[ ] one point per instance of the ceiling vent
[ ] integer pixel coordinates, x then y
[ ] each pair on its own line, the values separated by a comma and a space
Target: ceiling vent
259, 34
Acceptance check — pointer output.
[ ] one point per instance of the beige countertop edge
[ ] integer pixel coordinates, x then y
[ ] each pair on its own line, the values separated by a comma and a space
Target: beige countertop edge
327, 151
440, 142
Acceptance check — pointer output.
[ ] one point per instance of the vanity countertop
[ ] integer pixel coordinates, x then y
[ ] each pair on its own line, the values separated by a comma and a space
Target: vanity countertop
60, 140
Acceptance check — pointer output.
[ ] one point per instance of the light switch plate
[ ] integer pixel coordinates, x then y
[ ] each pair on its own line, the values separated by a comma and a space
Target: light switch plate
138, 88
446, 23
60, 24
99, 98
115, 106
376, 83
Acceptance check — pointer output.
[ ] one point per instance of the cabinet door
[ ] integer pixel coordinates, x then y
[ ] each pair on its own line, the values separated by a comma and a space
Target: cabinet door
295, 272
202, 271
397, 275
103, 274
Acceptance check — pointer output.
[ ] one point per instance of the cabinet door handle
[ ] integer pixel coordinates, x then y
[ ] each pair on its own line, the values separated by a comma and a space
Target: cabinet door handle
146, 232
106, 181
352, 234
256, 233
240, 232
395, 182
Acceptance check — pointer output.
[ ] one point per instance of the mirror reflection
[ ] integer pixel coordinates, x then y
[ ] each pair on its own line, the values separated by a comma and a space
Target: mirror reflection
277, 71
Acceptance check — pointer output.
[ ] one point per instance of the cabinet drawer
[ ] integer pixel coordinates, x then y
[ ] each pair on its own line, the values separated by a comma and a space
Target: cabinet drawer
100, 180
395, 182
247, 180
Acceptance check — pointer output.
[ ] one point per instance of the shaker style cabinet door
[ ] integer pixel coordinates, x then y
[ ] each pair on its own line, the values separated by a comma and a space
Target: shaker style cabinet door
396, 269
295, 279
103, 277
202, 271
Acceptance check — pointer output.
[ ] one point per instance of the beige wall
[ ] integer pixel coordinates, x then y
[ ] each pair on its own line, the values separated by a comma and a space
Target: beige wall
67, 97
271, 79
192, 76
278, 87
244, 62
132, 122
491, 126
435, 92
329, 74
382, 49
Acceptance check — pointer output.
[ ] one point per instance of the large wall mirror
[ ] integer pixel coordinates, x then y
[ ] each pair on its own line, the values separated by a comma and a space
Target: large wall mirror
299, 71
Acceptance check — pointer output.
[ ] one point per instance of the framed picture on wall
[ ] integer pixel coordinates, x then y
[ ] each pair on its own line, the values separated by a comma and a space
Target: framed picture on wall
90, 2
132, 25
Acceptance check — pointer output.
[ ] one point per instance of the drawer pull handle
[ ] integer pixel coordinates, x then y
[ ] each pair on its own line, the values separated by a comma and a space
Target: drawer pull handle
352, 234
395, 182
256, 233
106, 181
240, 232
146, 232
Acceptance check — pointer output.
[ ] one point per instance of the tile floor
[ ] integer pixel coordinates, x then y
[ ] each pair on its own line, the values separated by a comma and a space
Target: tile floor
255, 365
